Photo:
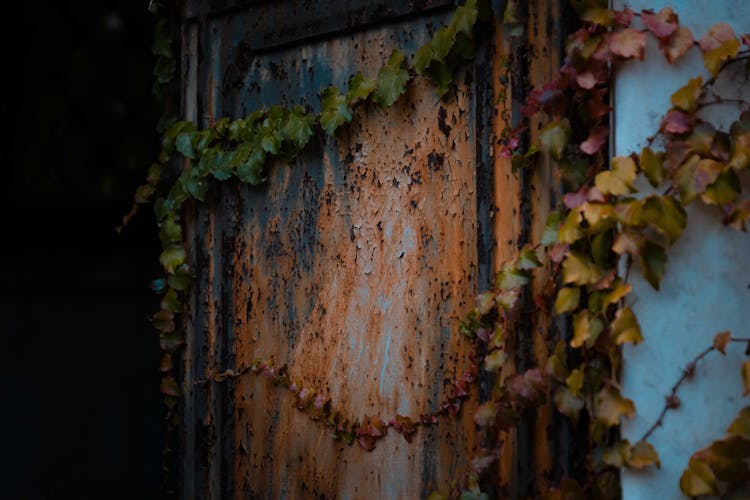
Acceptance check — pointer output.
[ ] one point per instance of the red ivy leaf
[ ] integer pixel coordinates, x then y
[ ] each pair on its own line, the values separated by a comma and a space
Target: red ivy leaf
662, 24
628, 43
405, 426
596, 104
677, 45
596, 139
677, 122
624, 17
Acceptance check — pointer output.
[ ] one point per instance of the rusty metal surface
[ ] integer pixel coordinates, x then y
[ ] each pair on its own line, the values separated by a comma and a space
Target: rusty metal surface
354, 265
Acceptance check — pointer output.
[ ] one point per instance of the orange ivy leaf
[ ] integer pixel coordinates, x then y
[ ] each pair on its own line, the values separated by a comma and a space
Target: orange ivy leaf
628, 43
643, 454
611, 406
677, 45
746, 378
721, 340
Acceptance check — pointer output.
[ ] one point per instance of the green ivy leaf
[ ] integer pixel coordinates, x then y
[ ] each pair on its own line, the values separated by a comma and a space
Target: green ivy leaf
666, 215
172, 257
181, 279
299, 127
509, 278
652, 165
625, 327
442, 43
170, 232
698, 479
579, 270
527, 259
360, 88
251, 170
555, 136
184, 144
392, 79
222, 168
611, 406
441, 75
464, 18
567, 299
423, 58
653, 262
549, 236
170, 301
619, 179
334, 110
724, 190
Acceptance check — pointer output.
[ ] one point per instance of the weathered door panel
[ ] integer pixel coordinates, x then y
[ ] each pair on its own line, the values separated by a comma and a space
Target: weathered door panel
353, 265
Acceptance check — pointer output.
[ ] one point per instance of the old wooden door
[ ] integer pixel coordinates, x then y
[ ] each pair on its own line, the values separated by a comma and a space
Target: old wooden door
355, 264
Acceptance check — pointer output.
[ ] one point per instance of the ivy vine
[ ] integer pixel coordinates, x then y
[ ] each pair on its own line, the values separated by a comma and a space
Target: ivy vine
602, 222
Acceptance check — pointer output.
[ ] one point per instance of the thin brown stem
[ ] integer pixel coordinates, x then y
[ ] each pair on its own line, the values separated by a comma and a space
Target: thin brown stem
671, 402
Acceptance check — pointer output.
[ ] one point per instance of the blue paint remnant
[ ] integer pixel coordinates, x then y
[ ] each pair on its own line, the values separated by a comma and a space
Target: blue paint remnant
408, 239
388, 335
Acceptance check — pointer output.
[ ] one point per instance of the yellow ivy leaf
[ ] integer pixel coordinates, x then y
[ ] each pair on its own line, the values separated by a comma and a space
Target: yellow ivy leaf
741, 425
610, 406
567, 299
625, 327
652, 165
642, 455
595, 212
570, 231
617, 455
698, 479
575, 381
721, 340
687, 97
718, 45
579, 270
586, 328
619, 179
620, 291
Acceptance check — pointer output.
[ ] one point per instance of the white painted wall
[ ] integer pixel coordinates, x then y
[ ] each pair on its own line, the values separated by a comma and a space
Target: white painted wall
706, 288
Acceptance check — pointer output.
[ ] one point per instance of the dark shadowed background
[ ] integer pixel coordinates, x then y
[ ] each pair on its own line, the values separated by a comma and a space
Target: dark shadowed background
81, 415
